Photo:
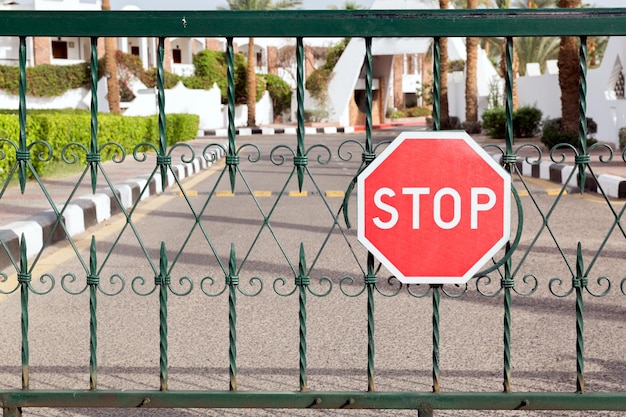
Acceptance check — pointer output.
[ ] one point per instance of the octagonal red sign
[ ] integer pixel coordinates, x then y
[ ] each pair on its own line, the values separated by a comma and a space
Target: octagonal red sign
434, 207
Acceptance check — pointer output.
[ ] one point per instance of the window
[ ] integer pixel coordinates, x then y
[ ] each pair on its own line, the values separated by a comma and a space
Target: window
134, 50
619, 86
59, 49
259, 59
177, 56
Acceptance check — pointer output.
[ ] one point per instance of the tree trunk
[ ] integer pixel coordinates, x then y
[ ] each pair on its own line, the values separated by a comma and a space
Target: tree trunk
471, 87
251, 99
110, 67
443, 82
568, 76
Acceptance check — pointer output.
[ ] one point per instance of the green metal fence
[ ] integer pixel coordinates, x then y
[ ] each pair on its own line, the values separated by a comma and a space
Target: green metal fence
299, 25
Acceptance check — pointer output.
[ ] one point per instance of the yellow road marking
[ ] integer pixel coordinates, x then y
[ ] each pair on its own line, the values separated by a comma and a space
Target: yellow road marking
262, 193
189, 193
334, 193
555, 191
298, 193
224, 194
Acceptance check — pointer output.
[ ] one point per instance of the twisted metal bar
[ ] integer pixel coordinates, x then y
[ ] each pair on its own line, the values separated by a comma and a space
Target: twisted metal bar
579, 283
22, 155
94, 156
582, 110
302, 282
508, 134
24, 278
232, 160
93, 281
370, 278
436, 297
507, 284
301, 166
437, 84
232, 280
370, 282
163, 163
163, 281
368, 91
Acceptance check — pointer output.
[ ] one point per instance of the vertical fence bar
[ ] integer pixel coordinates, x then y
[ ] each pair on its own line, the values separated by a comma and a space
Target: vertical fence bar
232, 280
22, 154
232, 159
370, 281
436, 296
582, 158
93, 280
508, 160
163, 281
580, 283
370, 277
93, 157
163, 160
507, 284
300, 160
508, 85
437, 84
302, 282
24, 278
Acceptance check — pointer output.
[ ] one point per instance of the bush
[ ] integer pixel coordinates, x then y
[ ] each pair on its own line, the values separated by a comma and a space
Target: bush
149, 78
317, 82
280, 92
315, 116
494, 122
554, 135
622, 138
59, 128
526, 122
45, 80
472, 127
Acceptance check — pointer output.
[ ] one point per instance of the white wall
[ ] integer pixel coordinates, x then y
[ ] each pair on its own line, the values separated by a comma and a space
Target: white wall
205, 103
606, 110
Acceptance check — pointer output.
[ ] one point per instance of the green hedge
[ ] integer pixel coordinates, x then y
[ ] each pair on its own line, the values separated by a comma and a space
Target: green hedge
61, 128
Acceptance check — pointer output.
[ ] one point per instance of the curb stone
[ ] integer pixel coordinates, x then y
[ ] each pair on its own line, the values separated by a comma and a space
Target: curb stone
89, 210
612, 185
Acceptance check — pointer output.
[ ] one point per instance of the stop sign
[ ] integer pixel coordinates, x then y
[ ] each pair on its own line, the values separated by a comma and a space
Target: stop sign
434, 207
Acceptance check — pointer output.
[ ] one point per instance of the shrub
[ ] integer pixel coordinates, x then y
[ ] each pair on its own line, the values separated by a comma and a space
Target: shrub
314, 116
59, 128
526, 122
149, 78
45, 80
472, 127
280, 92
554, 135
622, 138
317, 82
494, 122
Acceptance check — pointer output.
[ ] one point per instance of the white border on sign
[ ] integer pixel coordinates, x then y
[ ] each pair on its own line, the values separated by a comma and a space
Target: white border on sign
442, 136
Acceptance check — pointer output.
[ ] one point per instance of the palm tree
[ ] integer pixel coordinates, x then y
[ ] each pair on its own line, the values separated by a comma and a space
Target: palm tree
110, 66
536, 49
443, 80
568, 76
256, 5
347, 5
471, 86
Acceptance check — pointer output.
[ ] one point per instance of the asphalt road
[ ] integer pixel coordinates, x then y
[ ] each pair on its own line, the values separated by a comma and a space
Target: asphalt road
200, 225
